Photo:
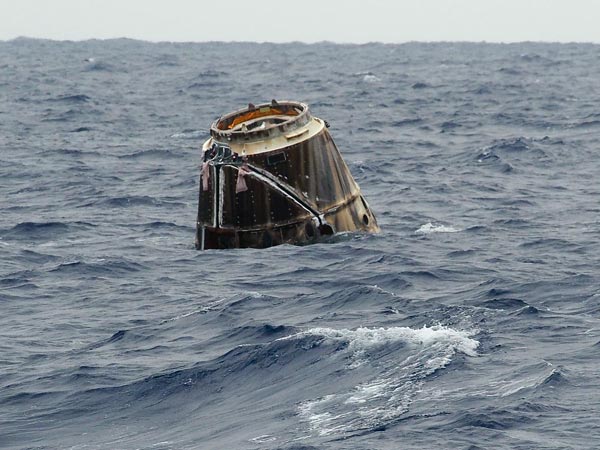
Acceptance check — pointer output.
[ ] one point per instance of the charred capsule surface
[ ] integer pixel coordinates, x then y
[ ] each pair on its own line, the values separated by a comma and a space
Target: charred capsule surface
271, 174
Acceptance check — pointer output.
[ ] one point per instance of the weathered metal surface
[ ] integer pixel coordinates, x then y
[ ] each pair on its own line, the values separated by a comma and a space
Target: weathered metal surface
271, 174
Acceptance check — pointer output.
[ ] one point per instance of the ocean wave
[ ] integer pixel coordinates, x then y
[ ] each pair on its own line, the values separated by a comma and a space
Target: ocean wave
159, 224
207, 84
493, 419
420, 85
100, 66
259, 333
133, 201
190, 134
378, 372
504, 303
44, 230
517, 148
123, 338
407, 122
386, 395
70, 98
370, 78
211, 73
151, 154
81, 129
98, 267
430, 228
352, 298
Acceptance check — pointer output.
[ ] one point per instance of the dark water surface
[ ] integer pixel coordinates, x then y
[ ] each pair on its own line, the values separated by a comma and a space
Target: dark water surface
472, 321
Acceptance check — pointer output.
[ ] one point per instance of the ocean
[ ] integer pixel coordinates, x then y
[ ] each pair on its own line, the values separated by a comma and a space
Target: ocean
472, 321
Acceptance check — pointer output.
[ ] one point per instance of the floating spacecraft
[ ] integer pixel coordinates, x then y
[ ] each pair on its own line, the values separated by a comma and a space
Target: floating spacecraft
271, 174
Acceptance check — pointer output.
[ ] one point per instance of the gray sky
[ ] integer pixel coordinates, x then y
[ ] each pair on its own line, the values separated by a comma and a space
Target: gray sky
304, 20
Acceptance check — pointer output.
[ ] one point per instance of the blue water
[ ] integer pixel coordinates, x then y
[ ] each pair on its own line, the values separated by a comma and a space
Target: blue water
472, 321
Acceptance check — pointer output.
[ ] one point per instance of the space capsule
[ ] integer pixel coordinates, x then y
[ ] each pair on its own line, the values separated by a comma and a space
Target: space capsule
271, 174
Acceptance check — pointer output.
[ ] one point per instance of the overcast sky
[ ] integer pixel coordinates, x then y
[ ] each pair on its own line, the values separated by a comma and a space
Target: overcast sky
304, 20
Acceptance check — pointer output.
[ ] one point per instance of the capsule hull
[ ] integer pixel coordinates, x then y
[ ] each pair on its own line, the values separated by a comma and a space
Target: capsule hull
272, 175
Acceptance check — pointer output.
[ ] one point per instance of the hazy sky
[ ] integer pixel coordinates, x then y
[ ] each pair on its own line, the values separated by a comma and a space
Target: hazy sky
304, 20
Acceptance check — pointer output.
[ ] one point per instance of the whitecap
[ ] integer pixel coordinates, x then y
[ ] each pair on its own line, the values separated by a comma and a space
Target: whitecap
386, 395
363, 338
369, 78
189, 134
429, 228
263, 438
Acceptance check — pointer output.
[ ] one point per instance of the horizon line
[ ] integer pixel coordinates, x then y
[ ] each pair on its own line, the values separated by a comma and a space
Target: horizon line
325, 41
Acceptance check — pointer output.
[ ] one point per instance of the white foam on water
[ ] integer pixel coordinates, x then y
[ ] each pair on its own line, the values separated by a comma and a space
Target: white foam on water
263, 438
377, 288
189, 134
387, 394
208, 307
369, 78
429, 228
364, 338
